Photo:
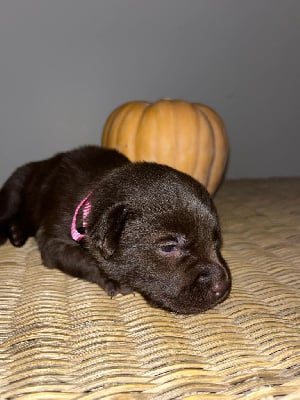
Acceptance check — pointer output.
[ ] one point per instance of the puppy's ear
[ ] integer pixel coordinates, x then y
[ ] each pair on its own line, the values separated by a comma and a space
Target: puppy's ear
110, 229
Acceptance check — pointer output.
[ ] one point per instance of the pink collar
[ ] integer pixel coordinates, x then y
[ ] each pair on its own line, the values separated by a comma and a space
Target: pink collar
86, 204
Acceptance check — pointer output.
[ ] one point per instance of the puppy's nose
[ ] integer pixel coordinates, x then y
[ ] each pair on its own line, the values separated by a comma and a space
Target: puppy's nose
220, 288
216, 277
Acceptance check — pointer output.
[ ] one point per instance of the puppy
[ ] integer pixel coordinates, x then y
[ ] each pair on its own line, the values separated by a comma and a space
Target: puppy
125, 226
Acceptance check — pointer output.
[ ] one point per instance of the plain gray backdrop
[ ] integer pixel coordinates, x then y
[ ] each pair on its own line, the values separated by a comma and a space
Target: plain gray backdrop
65, 64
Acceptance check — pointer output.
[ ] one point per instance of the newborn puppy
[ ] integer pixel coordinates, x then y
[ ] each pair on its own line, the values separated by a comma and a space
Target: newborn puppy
126, 226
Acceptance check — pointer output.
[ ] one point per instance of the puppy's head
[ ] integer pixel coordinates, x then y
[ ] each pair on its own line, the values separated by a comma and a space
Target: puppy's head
156, 230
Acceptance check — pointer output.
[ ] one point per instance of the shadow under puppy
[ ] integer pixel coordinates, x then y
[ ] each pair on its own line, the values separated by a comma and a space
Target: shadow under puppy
126, 226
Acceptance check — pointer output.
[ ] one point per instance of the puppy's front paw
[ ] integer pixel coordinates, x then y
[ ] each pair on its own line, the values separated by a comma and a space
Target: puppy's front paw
111, 287
16, 235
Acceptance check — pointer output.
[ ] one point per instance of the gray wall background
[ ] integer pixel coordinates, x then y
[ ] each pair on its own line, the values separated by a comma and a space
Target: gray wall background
65, 64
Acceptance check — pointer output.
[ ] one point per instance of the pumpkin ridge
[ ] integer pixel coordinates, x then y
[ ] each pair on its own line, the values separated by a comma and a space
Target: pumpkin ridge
213, 137
205, 148
114, 128
125, 111
187, 136
221, 147
177, 149
107, 126
126, 132
164, 138
138, 129
197, 144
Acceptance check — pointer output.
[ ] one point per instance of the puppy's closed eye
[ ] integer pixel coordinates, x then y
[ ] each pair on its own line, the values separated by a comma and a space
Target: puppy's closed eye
169, 248
172, 247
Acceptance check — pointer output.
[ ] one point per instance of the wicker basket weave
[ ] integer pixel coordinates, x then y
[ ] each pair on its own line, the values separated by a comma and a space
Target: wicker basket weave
62, 338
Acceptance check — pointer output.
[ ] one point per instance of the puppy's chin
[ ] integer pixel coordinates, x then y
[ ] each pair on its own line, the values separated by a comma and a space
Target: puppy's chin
189, 304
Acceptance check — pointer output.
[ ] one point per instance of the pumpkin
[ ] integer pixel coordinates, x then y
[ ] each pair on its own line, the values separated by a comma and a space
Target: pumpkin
190, 137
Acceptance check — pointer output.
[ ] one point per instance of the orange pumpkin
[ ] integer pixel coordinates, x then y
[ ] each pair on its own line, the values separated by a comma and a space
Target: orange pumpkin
190, 137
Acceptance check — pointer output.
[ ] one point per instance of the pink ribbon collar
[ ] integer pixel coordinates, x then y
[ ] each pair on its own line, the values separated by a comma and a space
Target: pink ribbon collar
86, 204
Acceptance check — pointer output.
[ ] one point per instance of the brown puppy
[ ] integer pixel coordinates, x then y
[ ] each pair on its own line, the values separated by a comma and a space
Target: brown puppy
126, 226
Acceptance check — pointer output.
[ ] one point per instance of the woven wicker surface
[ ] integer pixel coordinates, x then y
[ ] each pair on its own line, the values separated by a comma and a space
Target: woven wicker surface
62, 338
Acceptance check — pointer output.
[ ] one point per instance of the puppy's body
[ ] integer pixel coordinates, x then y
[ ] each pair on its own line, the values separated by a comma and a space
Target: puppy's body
151, 229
